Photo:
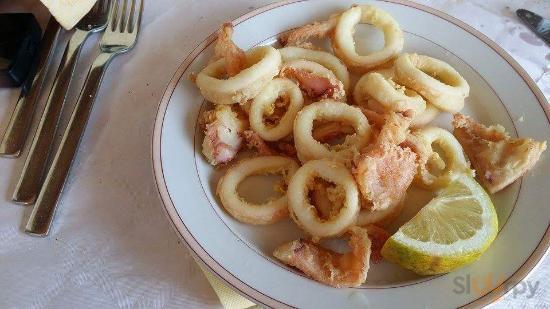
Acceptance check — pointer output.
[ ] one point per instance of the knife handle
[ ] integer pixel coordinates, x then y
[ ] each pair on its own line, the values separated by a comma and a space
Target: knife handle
44, 210
33, 171
20, 122
536, 23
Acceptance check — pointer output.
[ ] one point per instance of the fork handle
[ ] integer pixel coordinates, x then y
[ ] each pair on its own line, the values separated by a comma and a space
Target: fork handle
33, 171
43, 212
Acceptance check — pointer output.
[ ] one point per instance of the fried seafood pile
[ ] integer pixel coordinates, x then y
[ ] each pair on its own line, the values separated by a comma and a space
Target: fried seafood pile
347, 153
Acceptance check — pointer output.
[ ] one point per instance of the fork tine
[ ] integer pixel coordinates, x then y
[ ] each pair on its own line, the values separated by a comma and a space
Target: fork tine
137, 22
113, 15
124, 15
130, 19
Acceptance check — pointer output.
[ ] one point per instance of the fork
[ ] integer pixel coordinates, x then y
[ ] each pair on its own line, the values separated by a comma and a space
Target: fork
33, 171
119, 37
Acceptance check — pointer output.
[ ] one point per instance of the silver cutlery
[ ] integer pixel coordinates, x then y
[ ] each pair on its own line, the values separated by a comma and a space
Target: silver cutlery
538, 24
20, 122
33, 171
119, 37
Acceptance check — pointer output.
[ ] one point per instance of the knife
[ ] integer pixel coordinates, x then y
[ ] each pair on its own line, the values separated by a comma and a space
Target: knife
20, 122
538, 24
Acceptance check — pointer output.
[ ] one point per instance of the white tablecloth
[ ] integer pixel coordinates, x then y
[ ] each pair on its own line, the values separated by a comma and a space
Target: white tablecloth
111, 245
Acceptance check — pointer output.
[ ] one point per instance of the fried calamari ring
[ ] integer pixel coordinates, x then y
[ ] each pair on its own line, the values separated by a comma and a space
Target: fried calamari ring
374, 108
309, 149
315, 80
262, 64
418, 121
264, 102
425, 117
435, 171
380, 217
329, 131
391, 96
305, 214
331, 268
344, 44
434, 79
246, 212
327, 60
325, 205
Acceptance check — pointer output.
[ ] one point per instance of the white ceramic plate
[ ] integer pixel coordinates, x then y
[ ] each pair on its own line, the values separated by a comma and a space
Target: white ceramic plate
501, 92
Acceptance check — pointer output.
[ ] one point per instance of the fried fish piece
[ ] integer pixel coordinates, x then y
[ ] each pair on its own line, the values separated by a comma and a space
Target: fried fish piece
385, 170
378, 237
235, 59
328, 267
253, 141
498, 159
315, 85
300, 36
222, 128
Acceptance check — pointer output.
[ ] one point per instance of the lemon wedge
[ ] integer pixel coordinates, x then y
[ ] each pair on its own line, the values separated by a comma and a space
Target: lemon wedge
452, 230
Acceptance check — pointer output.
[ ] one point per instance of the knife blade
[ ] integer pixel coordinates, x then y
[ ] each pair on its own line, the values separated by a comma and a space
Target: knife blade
538, 24
20, 122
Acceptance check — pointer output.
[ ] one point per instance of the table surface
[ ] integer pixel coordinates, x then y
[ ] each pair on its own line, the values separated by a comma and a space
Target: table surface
112, 245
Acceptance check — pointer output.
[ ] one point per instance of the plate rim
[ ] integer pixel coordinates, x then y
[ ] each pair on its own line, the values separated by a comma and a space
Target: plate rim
241, 287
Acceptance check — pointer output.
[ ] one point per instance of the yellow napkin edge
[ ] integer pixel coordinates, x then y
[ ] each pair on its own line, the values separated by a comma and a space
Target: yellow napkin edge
227, 296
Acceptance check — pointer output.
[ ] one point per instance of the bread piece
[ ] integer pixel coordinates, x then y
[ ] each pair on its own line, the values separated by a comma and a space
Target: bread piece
69, 12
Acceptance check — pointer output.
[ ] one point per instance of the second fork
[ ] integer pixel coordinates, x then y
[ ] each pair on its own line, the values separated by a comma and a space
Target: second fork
29, 183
